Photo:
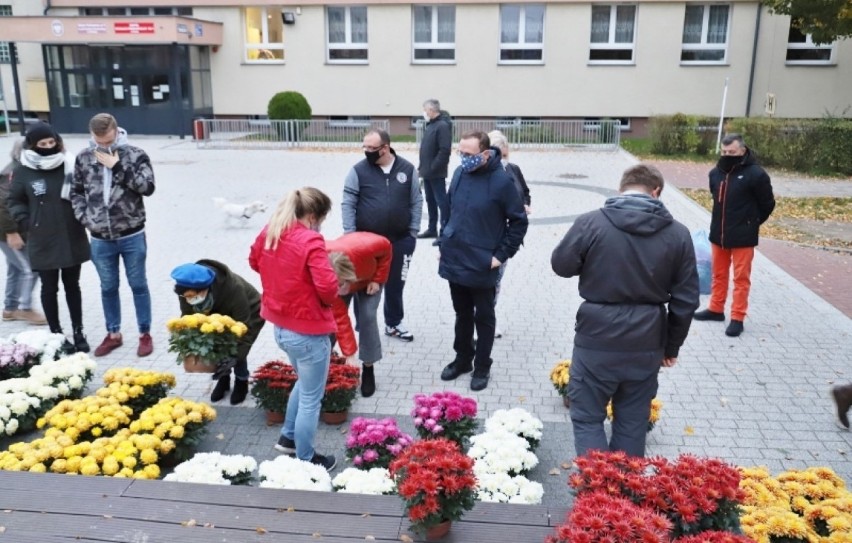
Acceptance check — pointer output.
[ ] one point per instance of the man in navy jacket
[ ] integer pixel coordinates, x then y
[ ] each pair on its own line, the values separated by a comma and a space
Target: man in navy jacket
486, 226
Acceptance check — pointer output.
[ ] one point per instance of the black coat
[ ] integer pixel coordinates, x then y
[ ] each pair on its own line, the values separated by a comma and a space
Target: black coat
436, 147
742, 201
520, 183
55, 239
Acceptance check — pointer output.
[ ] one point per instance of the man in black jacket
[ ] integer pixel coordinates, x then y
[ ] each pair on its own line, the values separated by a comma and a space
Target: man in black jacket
639, 286
434, 157
208, 287
742, 201
381, 195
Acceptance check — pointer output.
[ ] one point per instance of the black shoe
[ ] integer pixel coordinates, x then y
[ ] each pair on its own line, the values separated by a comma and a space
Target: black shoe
734, 329
287, 446
222, 386
479, 380
454, 369
80, 342
68, 347
426, 234
328, 462
708, 315
240, 391
368, 381
843, 398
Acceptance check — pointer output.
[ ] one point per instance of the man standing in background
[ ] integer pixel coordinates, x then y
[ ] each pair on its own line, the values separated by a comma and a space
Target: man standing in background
434, 157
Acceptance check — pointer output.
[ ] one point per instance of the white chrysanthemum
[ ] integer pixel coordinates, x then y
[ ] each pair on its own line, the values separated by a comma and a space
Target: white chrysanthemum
503, 488
293, 474
11, 426
516, 421
501, 452
375, 481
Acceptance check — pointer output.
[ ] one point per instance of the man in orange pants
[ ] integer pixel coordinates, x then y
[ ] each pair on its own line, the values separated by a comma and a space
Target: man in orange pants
742, 201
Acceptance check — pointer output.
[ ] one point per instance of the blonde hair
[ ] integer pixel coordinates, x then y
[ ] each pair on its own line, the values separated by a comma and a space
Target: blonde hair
296, 205
498, 139
343, 267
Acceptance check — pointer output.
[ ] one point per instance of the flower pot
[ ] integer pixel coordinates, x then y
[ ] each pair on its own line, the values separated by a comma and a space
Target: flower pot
566, 402
334, 418
274, 418
194, 364
439, 530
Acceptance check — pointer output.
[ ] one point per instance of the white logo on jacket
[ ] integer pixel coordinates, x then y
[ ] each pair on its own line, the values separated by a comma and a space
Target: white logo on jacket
401, 177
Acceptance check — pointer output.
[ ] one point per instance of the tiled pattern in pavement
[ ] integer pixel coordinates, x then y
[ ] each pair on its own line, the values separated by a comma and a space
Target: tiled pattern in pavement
758, 399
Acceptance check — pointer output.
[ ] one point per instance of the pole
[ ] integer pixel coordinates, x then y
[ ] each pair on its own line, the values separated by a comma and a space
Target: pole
5, 105
13, 55
722, 116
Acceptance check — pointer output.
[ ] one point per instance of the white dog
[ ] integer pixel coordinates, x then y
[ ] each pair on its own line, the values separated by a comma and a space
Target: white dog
239, 212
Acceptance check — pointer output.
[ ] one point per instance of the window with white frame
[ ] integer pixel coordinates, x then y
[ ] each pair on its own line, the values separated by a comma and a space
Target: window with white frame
347, 34
264, 35
522, 33
5, 54
434, 34
187, 11
613, 34
705, 33
801, 49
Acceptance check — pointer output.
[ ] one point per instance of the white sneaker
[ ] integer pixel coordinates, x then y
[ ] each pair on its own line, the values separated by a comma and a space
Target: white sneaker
399, 332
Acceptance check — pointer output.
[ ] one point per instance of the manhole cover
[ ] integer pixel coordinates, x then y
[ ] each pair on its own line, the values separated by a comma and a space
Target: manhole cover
572, 176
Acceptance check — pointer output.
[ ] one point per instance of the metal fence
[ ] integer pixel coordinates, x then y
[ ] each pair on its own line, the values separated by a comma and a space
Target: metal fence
604, 135
266, 134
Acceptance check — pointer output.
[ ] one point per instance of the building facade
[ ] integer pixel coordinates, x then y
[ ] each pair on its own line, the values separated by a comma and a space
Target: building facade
159, 63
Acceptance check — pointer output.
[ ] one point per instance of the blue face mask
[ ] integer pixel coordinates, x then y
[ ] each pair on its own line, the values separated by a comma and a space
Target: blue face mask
470, 163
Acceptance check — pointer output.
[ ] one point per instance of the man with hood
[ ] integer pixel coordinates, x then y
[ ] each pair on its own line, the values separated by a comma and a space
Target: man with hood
742, 201
485, 228
111, 178
435, 151
639, 285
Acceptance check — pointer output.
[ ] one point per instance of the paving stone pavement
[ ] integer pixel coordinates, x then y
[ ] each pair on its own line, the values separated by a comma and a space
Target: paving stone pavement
760, 399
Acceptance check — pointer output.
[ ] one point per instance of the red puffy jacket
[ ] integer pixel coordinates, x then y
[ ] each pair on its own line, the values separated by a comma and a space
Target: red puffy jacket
371, 255
299, 285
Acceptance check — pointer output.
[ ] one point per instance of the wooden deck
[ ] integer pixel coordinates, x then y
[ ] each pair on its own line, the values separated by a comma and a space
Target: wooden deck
51, 508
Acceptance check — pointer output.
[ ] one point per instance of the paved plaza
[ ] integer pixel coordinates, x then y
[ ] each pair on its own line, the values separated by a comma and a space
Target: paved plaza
760, 399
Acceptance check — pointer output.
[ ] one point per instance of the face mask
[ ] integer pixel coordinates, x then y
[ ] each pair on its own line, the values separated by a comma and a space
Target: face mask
726, 163
46, 151
426, 117
504, 162
373, 156
201, 304
470, 163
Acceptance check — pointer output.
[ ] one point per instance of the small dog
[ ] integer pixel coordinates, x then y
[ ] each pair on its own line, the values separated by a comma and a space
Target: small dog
239, 212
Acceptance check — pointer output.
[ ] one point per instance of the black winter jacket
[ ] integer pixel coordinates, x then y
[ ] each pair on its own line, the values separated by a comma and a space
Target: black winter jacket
742, 201
436, 147
55, 239
520, 183
633, 260
487, 219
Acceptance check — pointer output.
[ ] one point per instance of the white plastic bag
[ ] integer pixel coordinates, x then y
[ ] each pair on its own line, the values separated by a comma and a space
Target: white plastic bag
703, 260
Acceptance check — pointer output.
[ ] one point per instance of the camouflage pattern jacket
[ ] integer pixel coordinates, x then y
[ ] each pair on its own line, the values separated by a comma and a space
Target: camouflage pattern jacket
122, 212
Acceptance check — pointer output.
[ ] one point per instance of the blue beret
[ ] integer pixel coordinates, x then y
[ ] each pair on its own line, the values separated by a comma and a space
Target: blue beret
194, 276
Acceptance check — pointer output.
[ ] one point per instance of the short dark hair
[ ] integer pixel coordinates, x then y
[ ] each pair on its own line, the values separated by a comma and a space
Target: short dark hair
642, 175
102, 123
731, 138
383, 136
484, 140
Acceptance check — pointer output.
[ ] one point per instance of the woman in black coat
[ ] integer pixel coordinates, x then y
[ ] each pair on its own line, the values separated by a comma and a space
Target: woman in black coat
57, 244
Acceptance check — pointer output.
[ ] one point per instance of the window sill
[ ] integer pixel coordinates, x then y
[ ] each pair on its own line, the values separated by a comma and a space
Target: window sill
520, 63
699, 63
611, 63
811, 63
347, 62
263, 62
434, 62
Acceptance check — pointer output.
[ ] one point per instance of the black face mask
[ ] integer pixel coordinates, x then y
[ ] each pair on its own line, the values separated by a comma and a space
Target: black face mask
373, 156
46, 151
728, 162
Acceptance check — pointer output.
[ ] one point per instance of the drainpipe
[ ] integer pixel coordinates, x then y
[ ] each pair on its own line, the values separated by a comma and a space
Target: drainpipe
46, 7
753, 58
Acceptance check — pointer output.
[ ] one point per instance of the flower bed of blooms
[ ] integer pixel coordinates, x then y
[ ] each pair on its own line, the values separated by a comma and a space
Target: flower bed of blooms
23, 400
519, 422
374, 443
293, 474
811, 505
215, 469
444, 414
375, 481
16, 359
47, 346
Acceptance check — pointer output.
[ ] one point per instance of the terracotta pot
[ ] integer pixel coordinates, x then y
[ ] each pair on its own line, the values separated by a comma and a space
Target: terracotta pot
566, 402
329, 417
274, 418
194, 364
438, 531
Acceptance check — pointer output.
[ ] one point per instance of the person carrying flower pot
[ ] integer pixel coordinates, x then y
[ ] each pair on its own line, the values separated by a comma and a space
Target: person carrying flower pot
299, 289
361, 261
208, 287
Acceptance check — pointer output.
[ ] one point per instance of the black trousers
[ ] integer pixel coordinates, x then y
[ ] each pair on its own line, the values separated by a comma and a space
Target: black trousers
402, 251
73, 297
474, 307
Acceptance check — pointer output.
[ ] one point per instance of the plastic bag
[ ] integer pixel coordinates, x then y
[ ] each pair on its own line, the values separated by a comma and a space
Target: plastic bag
703, 260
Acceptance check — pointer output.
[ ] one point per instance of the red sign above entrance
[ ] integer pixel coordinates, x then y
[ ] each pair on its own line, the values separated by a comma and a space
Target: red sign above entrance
133, 28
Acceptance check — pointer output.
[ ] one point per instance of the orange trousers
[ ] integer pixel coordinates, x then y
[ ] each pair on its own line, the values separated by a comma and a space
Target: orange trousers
741, 258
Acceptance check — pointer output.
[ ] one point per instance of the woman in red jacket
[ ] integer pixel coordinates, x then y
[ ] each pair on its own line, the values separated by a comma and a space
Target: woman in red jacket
299, 288
362, 262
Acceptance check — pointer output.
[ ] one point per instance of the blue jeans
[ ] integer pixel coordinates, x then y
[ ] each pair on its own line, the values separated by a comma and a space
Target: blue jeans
20, 279
133, 250
309, 355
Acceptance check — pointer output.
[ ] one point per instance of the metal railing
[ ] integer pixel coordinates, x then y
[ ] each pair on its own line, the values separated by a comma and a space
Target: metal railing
604, 135
266, 134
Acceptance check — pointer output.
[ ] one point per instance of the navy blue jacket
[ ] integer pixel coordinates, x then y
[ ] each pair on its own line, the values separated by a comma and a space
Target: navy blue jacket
487, 219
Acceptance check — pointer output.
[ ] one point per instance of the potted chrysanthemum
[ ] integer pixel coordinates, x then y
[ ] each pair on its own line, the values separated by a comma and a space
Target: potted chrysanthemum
559, 377
444, 414
271, 385
373, 443
340, 390
202, 341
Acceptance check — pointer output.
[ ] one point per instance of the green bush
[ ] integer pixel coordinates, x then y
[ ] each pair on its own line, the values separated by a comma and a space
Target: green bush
681, 134
288, 105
